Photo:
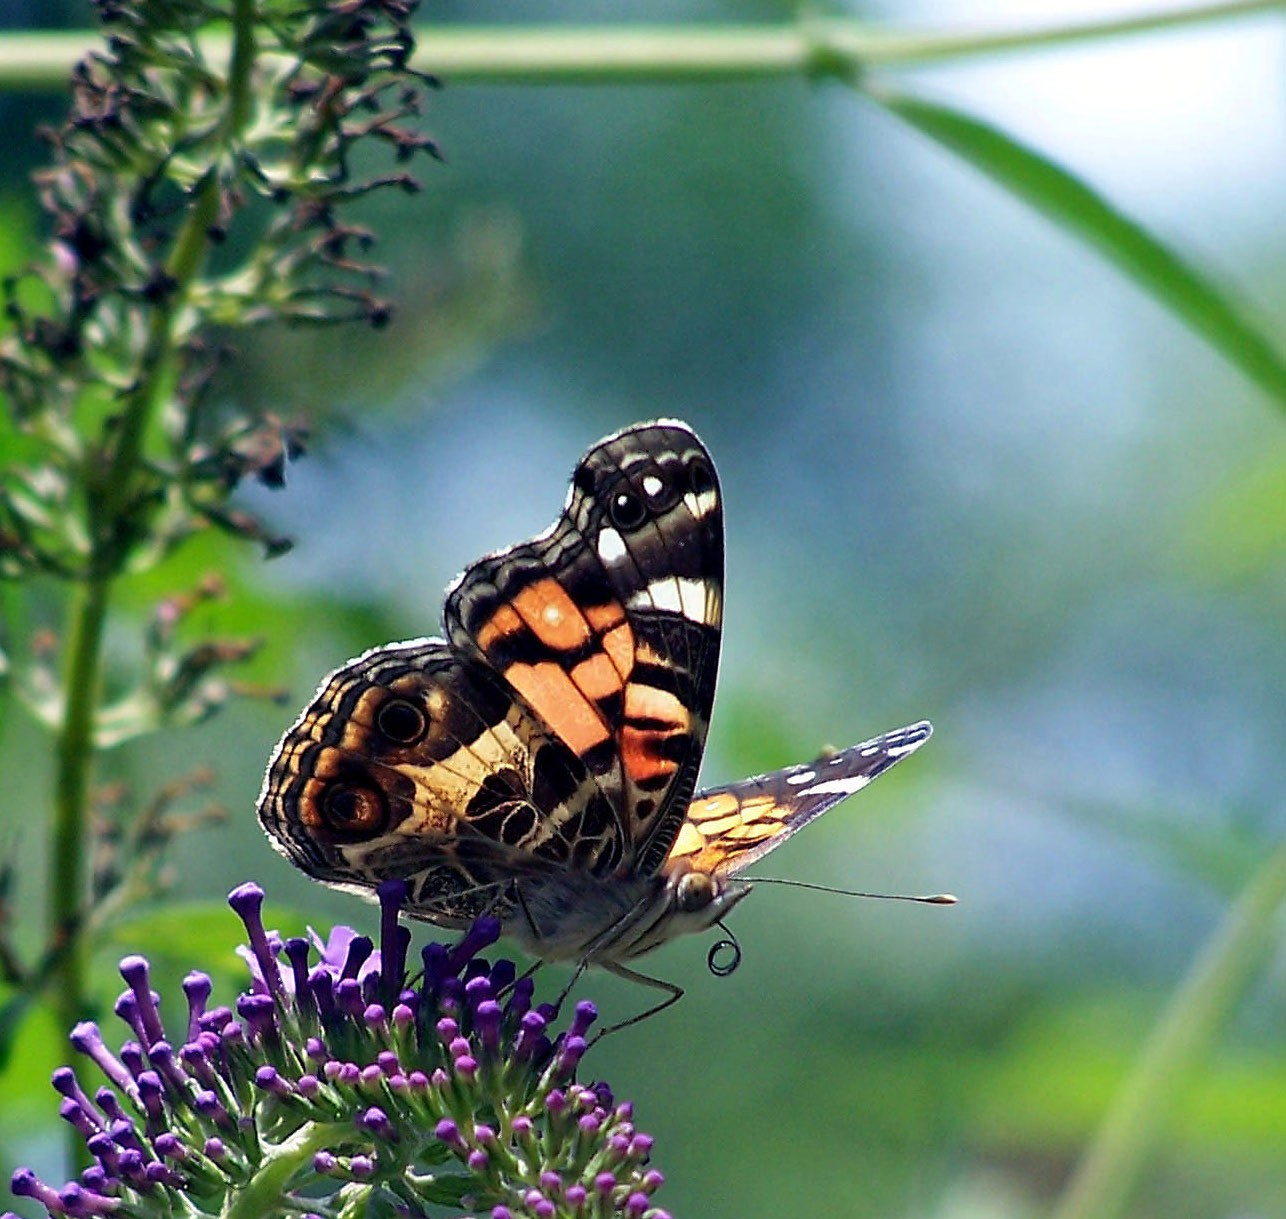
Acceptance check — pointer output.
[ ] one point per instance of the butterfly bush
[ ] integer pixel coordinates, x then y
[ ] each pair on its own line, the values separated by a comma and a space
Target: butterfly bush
335, 1086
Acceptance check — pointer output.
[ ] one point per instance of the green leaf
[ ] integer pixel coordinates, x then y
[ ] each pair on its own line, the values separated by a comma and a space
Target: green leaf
1082, 211
433, 1153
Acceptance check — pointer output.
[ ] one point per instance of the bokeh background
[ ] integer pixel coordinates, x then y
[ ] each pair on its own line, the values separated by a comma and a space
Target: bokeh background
971, 474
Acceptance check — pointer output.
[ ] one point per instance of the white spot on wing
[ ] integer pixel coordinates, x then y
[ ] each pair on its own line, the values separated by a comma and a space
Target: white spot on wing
702, 505
611, 546
804, 776
693, 595
837, 787
660, 594
652, 486
691, 598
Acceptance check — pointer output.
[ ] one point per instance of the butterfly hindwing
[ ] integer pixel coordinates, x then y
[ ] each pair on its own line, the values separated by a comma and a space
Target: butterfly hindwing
606, 627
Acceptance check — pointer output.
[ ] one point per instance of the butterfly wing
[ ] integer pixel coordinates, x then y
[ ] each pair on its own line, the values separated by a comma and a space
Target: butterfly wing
559, 727
606, 629
412, 762
729, 828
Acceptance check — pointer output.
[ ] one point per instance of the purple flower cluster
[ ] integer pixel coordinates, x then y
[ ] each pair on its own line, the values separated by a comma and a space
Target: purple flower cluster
337, 1086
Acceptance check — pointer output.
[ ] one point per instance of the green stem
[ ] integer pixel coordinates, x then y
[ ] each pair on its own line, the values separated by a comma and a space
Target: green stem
1197, 1010
111, 547
809, 47
261, 1194
156, 367
239, 70
647, 54
71, 800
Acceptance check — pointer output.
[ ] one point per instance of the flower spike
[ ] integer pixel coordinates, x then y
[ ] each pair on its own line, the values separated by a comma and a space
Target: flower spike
356, 1089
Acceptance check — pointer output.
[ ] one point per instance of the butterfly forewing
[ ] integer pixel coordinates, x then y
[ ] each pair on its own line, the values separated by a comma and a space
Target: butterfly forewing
606, 628
729, 828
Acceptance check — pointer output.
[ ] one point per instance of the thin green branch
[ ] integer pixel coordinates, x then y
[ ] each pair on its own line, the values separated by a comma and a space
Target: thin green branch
74, 752
156, 371
241, 67
262, 1192
810, 47
1199, 1008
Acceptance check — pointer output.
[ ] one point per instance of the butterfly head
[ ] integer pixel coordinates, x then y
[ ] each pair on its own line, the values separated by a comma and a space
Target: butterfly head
688, 901
699, 900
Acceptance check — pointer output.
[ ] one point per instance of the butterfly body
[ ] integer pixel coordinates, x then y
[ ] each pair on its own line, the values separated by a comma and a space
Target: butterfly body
539, 761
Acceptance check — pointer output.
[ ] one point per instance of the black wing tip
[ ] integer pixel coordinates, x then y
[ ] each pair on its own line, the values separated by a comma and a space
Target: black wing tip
920, 731
897, 741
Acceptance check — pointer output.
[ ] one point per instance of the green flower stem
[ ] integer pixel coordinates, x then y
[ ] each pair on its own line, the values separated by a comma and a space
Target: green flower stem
619, 54
110, 506
239, 70
1198, 1009
156, 365
262, 1193
71, 783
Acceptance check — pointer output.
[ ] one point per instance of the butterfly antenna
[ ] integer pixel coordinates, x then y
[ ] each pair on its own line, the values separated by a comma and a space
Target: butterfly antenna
928, 899
724, 956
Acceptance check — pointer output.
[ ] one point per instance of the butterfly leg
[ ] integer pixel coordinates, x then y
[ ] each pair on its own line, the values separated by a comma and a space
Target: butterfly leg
522, 977
673, 995
567, 990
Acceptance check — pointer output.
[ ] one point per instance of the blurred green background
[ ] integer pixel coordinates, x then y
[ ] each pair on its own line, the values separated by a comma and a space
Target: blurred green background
971, 474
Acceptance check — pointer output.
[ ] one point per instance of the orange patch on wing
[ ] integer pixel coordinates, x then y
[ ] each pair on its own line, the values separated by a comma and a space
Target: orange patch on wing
641, 754
309, 806
551, 694
597, 677
713, 827
604, 617
362, 718
618, 643
712, 857
721, 830
709, 808
759, 806
643, 749
552, 615
502, 623
688, 841
649, 655
753, 831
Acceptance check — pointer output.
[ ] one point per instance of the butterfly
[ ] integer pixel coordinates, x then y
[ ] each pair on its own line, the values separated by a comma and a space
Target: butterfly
539, 761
